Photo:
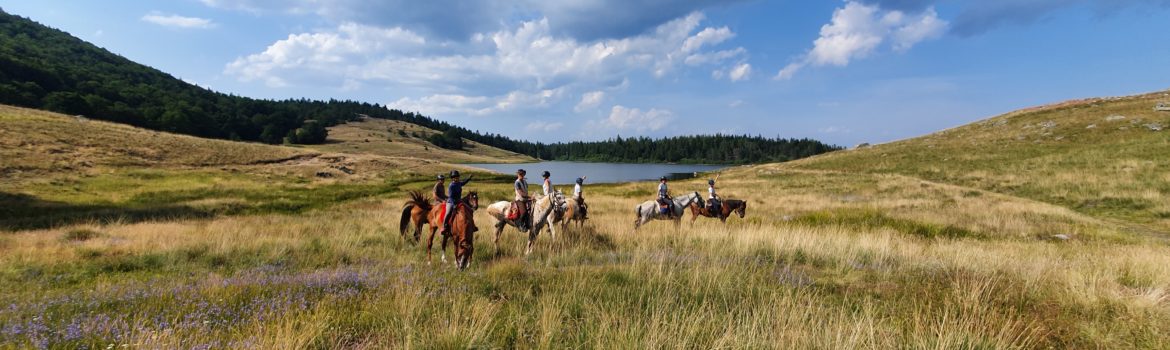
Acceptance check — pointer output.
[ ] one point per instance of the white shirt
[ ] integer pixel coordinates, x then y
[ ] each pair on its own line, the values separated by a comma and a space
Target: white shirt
711, 192
547, 187
577, 190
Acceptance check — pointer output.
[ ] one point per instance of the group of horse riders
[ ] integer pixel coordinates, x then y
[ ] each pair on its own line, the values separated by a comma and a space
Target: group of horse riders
522, 202
665, 203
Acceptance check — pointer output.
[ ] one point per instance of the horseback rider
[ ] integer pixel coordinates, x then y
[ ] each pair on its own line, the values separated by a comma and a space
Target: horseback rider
577, 195
713, 200
547, 185
664, 202
522, 200
439, 193
454, 194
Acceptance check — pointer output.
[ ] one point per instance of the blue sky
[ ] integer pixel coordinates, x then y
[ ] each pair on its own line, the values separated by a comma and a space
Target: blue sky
844, 72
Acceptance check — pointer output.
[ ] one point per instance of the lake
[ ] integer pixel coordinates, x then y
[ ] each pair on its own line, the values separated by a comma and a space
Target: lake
567, 172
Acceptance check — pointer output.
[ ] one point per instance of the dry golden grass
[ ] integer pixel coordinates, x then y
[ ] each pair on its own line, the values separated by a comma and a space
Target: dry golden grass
381, 137
1103, 157
900, 251
766, 281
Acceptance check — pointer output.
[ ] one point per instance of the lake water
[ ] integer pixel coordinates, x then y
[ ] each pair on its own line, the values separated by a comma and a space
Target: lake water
567, 172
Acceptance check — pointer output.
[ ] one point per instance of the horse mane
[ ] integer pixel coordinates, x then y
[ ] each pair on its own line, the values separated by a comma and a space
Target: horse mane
419, 200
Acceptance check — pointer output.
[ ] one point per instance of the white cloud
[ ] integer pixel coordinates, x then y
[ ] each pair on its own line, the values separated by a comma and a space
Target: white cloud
441, 104
527, 58
541, 126
589, 100
176, 21
735, 104
740, 72
709, 36
928, 26
324, 53
857, 30
623, 118
713, 57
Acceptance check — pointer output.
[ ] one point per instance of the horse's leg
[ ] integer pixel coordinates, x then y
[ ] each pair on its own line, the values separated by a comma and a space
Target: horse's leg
499, 229
531, 240
443, 249
430, 242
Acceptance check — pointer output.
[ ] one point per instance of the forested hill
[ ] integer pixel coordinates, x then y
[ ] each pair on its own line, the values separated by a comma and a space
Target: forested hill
45, 68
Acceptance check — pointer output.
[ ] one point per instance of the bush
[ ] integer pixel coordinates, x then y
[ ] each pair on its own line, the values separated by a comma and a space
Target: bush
81, 235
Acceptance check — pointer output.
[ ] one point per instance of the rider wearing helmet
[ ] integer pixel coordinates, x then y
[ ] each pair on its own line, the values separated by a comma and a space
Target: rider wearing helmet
440, 194
454, 194
547, 185
713, 200
577, 195
521, 200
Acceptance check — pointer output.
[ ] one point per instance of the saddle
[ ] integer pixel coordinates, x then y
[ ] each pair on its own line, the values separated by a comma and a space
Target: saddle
713, 205
516, 211
664, 206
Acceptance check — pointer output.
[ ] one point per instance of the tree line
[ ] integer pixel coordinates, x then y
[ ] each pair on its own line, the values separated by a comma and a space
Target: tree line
45, 68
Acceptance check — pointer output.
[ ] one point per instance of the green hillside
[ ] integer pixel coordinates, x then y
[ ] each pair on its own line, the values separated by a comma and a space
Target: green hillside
1106, 157
48, 69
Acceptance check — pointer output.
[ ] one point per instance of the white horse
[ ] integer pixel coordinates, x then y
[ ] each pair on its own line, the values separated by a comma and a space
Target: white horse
648, 210
540, 213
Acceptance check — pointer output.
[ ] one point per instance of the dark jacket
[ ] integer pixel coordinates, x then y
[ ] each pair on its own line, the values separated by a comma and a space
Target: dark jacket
455, 190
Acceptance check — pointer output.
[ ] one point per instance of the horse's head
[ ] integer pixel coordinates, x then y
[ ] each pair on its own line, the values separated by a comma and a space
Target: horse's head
742, 209
464, 248
472, 200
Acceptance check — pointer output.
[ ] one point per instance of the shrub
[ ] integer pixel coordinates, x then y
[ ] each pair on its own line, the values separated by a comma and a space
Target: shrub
81, 235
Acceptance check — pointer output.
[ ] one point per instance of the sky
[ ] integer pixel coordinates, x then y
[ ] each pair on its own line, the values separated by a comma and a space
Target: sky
844, 72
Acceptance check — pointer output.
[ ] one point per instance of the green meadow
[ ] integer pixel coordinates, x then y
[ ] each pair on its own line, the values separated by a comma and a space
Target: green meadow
971, 238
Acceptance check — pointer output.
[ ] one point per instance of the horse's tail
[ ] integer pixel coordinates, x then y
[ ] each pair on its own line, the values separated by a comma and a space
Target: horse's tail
405, 220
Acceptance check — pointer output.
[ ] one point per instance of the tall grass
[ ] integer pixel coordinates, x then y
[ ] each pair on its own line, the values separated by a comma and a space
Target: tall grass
341, 276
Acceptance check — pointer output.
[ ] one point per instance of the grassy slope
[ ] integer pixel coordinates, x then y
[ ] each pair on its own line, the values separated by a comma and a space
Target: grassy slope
59, 170
374, 136
1076, 154
824, 259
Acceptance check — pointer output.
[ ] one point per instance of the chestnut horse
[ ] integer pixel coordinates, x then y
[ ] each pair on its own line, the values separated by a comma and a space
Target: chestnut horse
725, 209
462, 229
418, 210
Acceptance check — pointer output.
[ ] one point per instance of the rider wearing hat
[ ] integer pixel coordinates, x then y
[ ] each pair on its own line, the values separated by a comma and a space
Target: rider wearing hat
454, 194
577, 195
522, 200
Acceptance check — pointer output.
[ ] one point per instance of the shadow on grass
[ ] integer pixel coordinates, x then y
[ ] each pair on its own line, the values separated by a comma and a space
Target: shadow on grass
24, 212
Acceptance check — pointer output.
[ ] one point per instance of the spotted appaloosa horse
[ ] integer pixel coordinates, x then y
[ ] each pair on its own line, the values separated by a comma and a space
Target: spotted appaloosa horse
726, 208
464, 219
648, 210
539, 215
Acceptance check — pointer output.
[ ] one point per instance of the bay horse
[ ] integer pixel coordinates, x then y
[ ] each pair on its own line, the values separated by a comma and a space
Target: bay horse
420, 211
541, 211
726, 208
648, 210
462, 229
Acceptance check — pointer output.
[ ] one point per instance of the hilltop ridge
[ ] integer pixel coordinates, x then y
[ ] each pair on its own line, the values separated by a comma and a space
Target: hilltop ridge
1101, 156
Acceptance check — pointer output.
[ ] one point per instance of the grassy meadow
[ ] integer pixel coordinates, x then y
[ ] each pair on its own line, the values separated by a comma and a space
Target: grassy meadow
833, 253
